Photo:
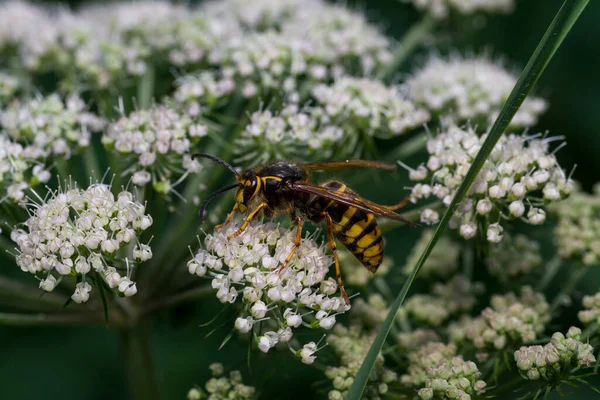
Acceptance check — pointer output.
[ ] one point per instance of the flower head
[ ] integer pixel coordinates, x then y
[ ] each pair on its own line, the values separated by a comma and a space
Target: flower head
561, 356
157, 144
456, 296
436, 370
518, 169
244, 270
591, 312
55, 126
514, 257
509, 320
21, 168
469, 90
221, 386
83, 232
367, 105
292, 133
577, 234
441, 8
350, 346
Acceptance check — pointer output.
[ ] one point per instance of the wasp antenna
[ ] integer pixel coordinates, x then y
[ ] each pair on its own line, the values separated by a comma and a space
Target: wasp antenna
217, 159
212, 196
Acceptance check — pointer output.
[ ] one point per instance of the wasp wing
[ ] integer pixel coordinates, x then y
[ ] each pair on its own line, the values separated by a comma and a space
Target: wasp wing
350, 200
344, 164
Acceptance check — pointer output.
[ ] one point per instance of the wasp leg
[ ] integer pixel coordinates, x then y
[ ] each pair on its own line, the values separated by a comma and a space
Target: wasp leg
229, 217
333, 248
249, 218
401, 204
299, 221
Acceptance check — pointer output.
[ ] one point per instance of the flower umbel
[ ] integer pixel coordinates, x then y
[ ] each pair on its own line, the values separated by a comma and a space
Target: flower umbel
471, 90
558, 359
519, 177
84, 233
157, 144
244, 270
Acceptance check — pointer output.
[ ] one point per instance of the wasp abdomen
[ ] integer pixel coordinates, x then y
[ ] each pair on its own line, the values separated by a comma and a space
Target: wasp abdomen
356, 229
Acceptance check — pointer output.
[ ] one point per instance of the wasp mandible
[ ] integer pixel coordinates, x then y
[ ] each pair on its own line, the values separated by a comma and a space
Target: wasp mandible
284, 188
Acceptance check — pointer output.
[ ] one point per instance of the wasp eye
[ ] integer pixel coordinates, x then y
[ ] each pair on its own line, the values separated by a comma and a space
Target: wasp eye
249, 187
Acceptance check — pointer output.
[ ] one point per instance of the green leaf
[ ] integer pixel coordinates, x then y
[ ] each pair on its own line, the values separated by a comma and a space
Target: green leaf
557, 31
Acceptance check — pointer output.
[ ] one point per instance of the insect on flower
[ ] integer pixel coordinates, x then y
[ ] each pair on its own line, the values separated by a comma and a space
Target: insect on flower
284, 188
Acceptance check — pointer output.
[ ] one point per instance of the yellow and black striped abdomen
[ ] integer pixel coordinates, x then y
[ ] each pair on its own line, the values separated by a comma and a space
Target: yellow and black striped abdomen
355, 229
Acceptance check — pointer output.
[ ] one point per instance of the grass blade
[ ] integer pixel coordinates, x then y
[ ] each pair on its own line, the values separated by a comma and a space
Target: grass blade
555, 34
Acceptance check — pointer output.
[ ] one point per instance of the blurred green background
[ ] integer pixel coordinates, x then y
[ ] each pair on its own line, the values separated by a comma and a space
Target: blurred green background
84, 362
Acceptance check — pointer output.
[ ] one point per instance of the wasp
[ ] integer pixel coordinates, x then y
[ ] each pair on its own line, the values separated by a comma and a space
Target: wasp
285, 188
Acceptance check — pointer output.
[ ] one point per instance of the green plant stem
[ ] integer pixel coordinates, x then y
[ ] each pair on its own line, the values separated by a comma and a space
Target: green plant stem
90, 161
45, 319
143, 378
552, 269
18, 290
145, 89
115, 168
567, 287
178, 298
412, 39
555, 34
409, 148
63, 170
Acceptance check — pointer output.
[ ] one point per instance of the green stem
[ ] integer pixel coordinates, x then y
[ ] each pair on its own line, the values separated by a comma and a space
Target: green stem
568, 287
143, 378
20, 291
409, 148
115, 168
410, 41
145, 89
43, 319
551, 270
90, 160
63, 170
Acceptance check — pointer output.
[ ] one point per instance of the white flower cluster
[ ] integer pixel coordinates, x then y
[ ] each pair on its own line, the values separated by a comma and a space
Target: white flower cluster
19, 169
456, 296
369, 106
292, 133
514, 257
577, 234
84, 232
508, 321
518, 168
51, 125
106, 45
469, 90
245, 270
221, 387
441, 263
439, 373
350, 346
203, 92
557, 359
9, 86
157, 144
442, 8
591, 314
